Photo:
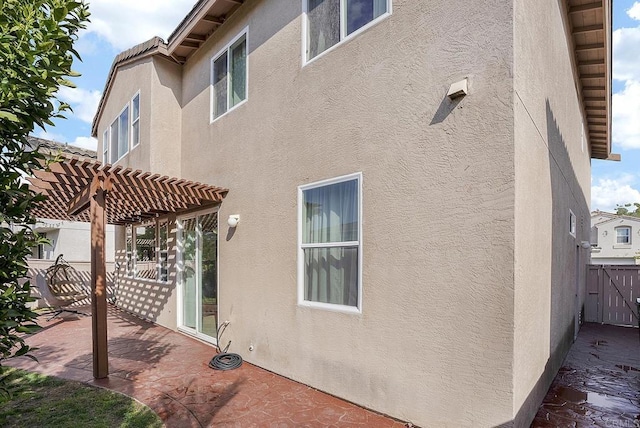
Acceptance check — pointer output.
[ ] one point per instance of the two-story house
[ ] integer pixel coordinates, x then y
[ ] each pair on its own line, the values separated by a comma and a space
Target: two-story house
408, 191
615, 239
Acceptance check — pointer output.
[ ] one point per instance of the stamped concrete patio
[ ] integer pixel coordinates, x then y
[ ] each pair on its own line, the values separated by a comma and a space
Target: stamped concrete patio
168, 372
599, 382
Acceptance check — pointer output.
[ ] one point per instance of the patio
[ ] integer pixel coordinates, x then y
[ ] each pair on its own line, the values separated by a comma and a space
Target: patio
598, 383
168, 372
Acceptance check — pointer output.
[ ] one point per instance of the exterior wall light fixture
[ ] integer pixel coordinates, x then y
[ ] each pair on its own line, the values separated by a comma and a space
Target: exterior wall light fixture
233, 220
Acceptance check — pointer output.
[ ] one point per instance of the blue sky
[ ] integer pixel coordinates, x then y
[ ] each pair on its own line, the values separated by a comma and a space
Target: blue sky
120, 24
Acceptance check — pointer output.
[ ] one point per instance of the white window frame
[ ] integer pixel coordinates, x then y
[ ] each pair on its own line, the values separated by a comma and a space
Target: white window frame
130, 261
321, 305
343, 29
127, 106
572, 224
159, 251
133, 255
180, 268
132, 121
227, 49
628, 236
105, 145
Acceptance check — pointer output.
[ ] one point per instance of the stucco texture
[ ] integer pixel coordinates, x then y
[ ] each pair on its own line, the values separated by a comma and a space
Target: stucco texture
437, 204
469, 272
552, 163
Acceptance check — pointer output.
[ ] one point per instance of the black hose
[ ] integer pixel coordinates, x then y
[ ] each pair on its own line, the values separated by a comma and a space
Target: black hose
225, 362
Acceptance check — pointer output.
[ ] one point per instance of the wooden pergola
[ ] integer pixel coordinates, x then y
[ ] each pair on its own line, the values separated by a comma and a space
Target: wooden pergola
82, 189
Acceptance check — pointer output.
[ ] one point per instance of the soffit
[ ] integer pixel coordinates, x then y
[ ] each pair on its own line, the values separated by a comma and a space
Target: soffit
194, 30
590, 22
132, 195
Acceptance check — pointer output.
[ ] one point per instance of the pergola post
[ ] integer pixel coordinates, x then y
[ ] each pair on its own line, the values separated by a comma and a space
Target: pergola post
97, 201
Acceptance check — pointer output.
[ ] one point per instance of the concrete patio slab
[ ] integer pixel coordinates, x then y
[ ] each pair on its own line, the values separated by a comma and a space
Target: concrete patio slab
599, 382
169, 372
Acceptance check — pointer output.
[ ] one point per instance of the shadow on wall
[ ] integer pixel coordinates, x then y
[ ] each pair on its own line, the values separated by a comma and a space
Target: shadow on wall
144, 297
568, 266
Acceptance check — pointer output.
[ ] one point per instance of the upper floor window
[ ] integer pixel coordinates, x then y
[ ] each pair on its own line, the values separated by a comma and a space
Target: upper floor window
229, 77
331, 21
135, 120
330, 243
623, 235
123, 130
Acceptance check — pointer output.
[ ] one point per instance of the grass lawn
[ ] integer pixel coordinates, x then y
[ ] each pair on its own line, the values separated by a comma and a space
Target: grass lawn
43, 401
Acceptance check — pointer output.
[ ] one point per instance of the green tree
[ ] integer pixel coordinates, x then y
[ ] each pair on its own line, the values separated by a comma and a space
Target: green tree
36, 55
625, 209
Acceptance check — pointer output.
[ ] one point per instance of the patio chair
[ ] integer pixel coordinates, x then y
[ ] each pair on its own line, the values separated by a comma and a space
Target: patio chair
65, 289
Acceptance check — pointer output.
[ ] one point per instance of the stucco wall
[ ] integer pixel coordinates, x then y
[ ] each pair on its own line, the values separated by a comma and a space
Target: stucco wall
72, 240
434, 341
552, 166
150, 299
130, 79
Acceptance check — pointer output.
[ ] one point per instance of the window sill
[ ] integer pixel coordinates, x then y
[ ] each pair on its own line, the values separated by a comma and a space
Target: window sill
622, 246
228, 111
331, 307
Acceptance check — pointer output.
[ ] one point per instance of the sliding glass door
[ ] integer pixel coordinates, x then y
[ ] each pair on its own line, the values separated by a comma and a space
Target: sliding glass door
198, 274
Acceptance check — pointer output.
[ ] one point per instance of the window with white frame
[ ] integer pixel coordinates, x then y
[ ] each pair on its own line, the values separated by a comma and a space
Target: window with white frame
119, 131
145, 251
150, 245
229, 77
105, 146
572, 224
623, 235
331, 21
330, 242
135, 120
163, 254
129, 251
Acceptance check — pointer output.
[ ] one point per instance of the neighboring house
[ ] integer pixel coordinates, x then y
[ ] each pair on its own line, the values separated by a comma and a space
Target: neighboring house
615, 239
417, 254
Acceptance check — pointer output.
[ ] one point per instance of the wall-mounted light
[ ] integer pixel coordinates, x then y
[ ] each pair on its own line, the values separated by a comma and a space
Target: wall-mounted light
233, 220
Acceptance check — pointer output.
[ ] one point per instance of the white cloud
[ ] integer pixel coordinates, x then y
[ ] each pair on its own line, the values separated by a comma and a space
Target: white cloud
608, 192
626, 61
626, 116
84, 102
89, 143
626, 68
634, 12
125, 23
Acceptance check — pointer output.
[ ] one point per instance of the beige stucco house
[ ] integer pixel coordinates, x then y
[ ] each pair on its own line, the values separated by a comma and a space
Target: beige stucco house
615, 239
409, 184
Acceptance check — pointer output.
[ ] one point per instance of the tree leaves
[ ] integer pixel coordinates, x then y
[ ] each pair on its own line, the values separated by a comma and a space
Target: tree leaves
36, 55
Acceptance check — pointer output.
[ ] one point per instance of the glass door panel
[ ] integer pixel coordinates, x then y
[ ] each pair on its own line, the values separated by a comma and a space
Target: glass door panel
198, 241
189, 241
209, 245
